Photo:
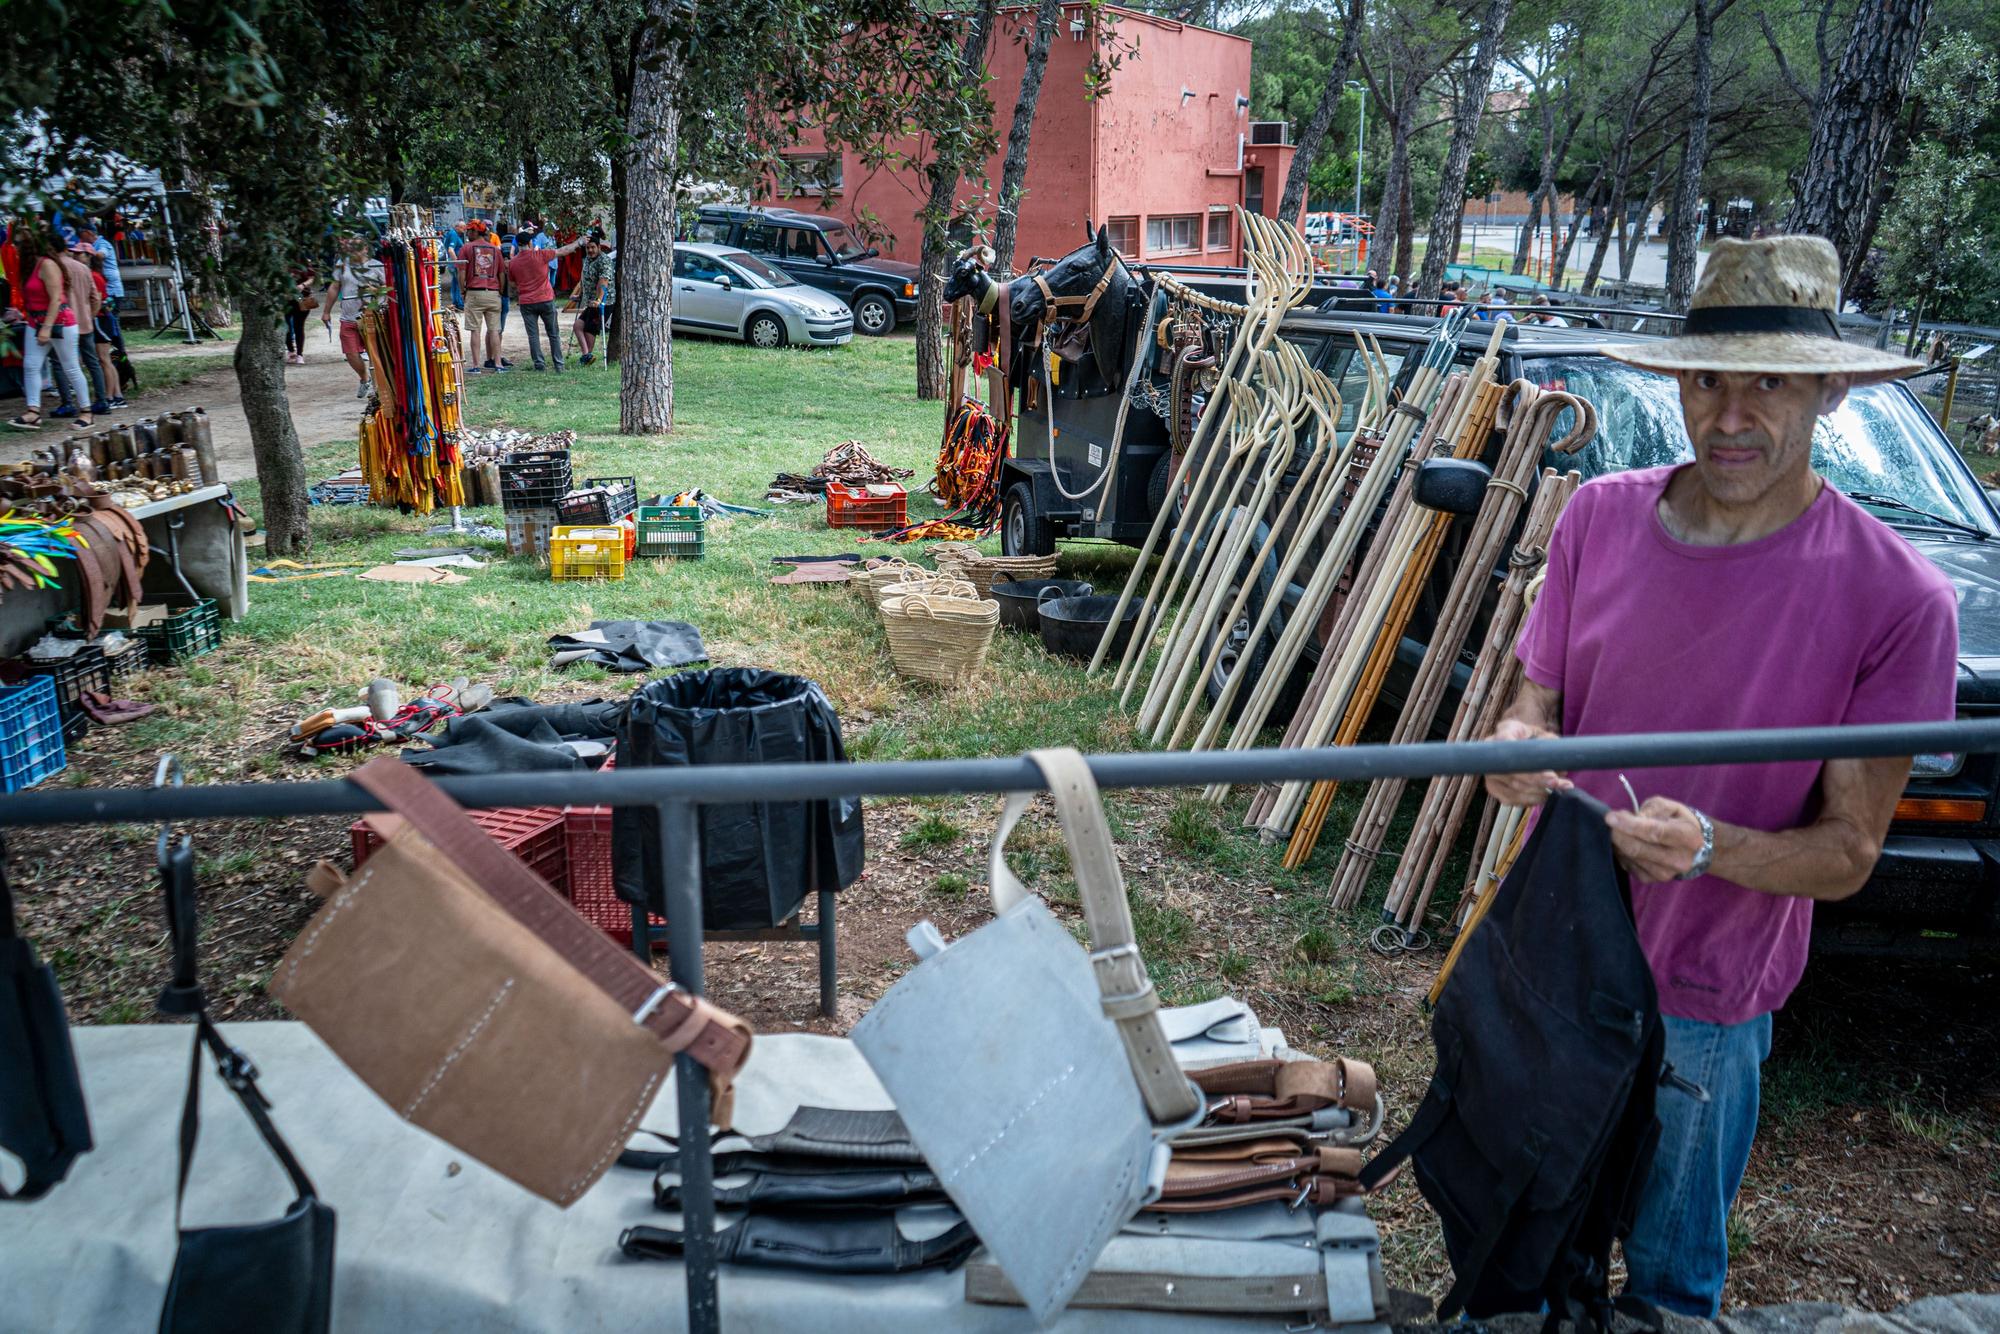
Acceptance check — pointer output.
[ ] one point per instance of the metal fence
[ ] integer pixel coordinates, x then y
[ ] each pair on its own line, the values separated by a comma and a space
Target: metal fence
677, 792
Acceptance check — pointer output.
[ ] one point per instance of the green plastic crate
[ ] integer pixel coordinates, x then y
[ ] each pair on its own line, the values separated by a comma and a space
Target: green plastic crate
679, 531
186, 634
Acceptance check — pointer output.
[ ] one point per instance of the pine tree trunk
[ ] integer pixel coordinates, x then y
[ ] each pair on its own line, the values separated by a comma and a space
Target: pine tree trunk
1406, 229
1854, 126
274, 442
1683, 244
646, 247
1392, 218
1014, 167
1586, 204
935, 255
1632, 237
1449, 214
1614, 213
1313, 136
1524, 240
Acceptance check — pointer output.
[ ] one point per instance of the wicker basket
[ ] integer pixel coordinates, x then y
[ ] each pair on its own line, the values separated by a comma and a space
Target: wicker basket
938, 638
927, 583
982, 572
876, 575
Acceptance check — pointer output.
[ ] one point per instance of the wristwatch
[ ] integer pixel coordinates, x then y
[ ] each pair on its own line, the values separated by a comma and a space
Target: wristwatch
1707, 853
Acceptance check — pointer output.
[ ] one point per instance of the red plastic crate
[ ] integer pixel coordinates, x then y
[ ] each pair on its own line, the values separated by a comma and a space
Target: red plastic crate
534, 834
854, 507
587, 833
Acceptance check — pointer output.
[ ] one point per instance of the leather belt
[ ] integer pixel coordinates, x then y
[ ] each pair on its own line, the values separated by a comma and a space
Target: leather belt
1270, 1090
830, 1243
806, 1183
1289, 1168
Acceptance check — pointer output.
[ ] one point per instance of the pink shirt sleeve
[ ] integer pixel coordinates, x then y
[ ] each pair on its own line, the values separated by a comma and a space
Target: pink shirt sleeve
1910, 675
1544, 644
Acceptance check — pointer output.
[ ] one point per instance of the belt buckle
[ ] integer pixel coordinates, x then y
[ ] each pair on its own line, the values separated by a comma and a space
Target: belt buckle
653, 1002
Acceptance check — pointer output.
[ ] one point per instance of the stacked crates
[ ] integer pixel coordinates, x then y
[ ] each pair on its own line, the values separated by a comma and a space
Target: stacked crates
531, 484
587, 552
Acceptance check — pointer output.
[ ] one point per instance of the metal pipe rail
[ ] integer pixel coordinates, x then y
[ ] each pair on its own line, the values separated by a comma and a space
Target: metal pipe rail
677, 793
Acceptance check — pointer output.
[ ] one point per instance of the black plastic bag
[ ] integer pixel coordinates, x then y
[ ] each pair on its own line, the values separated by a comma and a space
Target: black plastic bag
759, 860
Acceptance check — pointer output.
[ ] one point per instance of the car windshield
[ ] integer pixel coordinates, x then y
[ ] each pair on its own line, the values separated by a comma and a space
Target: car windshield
843, 245
1879, 442
760, 273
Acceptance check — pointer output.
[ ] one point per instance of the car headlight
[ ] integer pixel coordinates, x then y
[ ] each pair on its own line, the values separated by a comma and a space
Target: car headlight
1945, 765
909, 289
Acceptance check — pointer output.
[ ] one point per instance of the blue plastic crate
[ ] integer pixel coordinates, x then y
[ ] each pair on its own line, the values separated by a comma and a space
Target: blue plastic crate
31, 734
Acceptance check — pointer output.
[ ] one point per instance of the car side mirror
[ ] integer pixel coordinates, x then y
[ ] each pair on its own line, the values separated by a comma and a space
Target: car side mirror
1453, 486
826, 259
722, 281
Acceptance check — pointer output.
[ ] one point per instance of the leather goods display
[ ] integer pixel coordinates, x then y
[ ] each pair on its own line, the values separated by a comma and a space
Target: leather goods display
1289, 1168
472, 999
759, 860
762, 1181
1535, 1136
815, 1132
275, 1277
42, 1117
1047, 1128
867, 1242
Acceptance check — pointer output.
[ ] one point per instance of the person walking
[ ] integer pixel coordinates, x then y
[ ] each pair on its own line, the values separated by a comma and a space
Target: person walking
114, 396
528, 279
51, 325
596, 293
85, 301
480, 258
114, 280
304, 298
1735, 590
353, 275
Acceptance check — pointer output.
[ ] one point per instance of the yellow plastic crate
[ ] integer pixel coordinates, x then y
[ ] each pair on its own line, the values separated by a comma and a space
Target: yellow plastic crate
592, 552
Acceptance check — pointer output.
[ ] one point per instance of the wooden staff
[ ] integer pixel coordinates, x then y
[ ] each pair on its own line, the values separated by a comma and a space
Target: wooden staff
1498, 510
1222, 559
1264, 309
1404, 418
1446, 799
1387, 604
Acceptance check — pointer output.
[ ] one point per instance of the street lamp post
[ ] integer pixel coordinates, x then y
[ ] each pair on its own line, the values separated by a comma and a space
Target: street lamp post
1360, 142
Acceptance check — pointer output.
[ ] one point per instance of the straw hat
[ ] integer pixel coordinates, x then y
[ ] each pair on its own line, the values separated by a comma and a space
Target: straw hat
1767, 306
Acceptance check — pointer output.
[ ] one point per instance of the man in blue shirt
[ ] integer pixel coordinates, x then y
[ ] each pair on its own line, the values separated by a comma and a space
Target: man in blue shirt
114, 285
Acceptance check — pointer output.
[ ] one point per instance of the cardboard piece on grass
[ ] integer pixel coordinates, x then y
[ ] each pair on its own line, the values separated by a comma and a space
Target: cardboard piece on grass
410, 574
814, 574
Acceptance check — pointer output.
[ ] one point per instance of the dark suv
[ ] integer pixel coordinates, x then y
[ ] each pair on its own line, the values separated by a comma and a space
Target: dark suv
820, 252
1936, 890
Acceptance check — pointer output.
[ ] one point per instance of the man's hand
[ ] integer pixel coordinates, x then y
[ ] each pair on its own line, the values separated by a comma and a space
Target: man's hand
1657, 844
1523, 789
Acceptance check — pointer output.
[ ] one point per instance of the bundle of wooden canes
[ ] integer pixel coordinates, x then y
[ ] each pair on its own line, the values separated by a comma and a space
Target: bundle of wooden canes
410, 432
1504, 495
1280, 278
1487, 694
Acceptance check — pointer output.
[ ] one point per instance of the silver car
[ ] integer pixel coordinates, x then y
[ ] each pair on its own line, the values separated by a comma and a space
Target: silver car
733, 294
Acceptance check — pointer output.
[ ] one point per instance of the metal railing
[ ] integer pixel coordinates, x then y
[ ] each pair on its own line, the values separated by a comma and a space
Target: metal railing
677, 792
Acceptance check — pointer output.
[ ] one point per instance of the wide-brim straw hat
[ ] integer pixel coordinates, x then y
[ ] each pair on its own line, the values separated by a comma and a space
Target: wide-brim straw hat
1767, 307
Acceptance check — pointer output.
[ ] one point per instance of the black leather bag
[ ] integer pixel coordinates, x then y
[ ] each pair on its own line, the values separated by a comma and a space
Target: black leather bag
42, 1117
274, 1277
1534, 1139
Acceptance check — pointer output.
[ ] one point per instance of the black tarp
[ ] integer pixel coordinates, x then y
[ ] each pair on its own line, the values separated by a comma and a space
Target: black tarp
517, 735
635, 646
759, 860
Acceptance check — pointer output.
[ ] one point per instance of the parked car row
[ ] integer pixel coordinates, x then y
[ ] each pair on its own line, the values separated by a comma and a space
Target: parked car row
774, 276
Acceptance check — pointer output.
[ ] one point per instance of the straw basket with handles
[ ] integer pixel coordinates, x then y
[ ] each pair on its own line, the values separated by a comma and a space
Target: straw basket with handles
938, 635
982, 571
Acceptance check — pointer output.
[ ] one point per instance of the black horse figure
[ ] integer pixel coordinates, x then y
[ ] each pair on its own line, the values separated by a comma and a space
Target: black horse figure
1090, 284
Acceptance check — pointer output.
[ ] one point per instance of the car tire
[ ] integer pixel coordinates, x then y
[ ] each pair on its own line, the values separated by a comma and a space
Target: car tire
1157, 485
764, 330
1023, 531
874, 315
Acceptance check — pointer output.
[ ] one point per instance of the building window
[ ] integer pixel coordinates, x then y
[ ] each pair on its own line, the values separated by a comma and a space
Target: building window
809, 174
1173, 234
1218, 229
1124, 235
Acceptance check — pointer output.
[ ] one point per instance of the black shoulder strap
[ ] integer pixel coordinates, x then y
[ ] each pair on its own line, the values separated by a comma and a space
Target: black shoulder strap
43, 1120
183, 995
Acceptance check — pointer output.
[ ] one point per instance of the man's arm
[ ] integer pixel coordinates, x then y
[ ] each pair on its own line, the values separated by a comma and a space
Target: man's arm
1535, 712
326, 301
1829, 859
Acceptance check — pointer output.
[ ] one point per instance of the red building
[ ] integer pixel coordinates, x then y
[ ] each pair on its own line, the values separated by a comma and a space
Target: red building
1161, 156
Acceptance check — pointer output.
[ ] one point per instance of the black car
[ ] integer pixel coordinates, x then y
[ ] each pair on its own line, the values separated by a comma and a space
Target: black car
1936, 890
820, 252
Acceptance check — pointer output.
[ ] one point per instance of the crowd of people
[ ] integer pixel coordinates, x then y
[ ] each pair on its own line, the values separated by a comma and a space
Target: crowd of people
1492, 304
61, 298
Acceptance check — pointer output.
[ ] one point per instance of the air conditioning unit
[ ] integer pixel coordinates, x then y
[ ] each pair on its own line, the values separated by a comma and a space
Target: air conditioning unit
1270, 131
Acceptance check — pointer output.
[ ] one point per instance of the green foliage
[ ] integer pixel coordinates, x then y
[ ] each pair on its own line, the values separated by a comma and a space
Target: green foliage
950, 884
1937, 231
932, 831
1191, 829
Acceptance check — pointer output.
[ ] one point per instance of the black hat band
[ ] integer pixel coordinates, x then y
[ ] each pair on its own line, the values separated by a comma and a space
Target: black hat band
1811, 320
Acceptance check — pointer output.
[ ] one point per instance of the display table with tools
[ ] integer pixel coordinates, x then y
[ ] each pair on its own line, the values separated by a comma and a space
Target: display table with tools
196, 527
427, 1238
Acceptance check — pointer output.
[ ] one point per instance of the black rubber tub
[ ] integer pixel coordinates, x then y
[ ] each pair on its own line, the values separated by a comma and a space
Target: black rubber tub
1072, 627
1018, 599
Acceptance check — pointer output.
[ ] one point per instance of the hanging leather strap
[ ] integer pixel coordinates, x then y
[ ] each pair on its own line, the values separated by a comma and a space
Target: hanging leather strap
834, 1242
1128, 998
1269, 1090
1225, 1176
683, 1023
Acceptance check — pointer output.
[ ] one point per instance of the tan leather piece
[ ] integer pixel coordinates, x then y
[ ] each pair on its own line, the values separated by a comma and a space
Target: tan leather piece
1272, 1089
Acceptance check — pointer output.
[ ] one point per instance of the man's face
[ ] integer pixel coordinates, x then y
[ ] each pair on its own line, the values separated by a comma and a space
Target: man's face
1752, 431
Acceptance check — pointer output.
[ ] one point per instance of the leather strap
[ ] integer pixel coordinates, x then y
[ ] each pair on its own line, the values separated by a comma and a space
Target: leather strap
714, 1037
1126, 990
833, 1242
1226, 1176
1248, 1091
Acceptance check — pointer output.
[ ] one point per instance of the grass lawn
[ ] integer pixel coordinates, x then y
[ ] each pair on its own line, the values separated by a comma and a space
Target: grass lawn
1214, 909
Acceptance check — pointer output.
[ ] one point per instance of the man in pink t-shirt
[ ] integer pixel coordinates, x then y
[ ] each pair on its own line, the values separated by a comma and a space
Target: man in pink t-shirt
1737, 591
528, 279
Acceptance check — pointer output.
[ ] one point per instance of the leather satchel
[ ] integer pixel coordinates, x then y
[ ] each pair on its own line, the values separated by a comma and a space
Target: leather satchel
471, 997
42, 1117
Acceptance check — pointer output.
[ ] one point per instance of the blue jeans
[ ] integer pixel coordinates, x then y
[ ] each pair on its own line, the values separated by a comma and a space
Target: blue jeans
1678, 1254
